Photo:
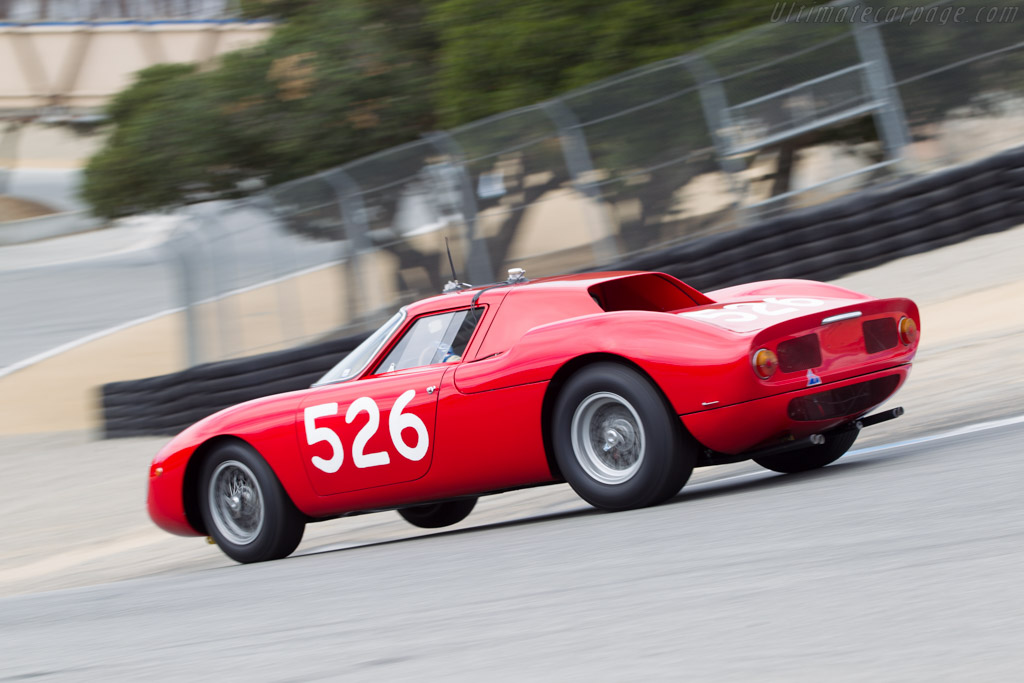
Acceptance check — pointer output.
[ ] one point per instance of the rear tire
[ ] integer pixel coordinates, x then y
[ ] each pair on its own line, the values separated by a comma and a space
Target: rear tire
245, 508
616, 440
437, 515
811, 457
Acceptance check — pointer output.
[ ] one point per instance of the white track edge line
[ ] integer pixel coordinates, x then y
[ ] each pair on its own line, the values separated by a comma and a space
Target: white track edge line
959, 431
81, 341
45, 355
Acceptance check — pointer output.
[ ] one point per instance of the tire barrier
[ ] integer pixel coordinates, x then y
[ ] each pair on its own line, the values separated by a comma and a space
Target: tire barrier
824, 242
168, 403
856, 232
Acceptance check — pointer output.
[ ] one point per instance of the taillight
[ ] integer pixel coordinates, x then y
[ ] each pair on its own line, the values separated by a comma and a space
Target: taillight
801, 353
908, 331
765, 363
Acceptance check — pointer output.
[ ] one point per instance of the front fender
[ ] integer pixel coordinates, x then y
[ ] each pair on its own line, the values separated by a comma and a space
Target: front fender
266, 424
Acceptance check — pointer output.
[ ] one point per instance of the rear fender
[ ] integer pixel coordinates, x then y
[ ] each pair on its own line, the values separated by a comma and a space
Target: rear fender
678, 354
793, 288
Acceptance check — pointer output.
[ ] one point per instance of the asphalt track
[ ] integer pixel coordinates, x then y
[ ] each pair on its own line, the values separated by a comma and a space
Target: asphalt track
896, 563
57, 292
893, 564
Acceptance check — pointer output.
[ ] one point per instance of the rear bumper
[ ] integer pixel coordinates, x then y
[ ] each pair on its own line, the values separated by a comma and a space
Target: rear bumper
743, 426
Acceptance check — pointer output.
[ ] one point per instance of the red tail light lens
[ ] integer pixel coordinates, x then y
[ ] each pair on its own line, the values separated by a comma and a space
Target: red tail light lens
908, 331
765, 363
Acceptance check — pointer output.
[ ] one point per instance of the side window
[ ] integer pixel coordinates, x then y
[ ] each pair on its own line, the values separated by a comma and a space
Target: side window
440, 338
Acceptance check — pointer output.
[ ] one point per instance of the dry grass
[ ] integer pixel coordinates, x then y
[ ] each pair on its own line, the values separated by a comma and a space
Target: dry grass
12, 209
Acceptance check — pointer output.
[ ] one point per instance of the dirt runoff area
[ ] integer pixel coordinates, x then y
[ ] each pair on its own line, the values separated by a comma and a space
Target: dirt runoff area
14, 209
74, 507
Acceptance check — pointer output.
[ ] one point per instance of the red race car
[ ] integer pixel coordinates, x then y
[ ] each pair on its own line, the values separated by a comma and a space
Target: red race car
618, 383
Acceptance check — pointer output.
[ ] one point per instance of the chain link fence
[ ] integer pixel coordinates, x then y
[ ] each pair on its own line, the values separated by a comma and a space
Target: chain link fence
791, 114
91, 10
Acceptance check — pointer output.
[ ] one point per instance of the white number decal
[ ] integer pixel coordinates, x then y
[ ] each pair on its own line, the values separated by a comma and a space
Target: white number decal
316, 434
725, 316
732, 313
398, 422
762, 308
799, 303
361, 459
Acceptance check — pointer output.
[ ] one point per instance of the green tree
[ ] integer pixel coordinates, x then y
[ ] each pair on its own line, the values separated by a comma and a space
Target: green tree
342, 79
333, 83
503, 54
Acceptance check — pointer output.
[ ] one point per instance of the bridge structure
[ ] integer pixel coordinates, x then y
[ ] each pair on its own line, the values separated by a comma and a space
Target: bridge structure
67, 59
61, 61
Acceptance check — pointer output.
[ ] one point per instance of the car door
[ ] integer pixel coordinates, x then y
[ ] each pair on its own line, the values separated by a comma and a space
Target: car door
373, 432
379, 430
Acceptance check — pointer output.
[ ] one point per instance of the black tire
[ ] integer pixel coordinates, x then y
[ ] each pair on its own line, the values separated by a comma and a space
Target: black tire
245, 508
645, 458
811, 457
437, 515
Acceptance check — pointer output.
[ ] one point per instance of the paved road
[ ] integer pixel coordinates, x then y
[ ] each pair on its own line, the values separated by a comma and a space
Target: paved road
59, 291
57, 188
895, 564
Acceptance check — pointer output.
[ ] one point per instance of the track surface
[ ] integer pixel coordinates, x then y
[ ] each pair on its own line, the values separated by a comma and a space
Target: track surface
56, 292
898, 564
893, 564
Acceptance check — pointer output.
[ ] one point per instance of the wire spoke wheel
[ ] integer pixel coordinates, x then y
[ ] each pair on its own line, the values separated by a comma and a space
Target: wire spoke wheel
437, 515
608, 437
617, 441
244, 507
811, 457
236, 502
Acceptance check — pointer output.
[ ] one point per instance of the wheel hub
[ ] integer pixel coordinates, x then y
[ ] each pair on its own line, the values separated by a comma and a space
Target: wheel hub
619, 436
236, 502
607, 437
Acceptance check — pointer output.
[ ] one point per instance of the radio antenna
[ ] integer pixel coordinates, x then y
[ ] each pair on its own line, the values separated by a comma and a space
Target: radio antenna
455, 278
453, 285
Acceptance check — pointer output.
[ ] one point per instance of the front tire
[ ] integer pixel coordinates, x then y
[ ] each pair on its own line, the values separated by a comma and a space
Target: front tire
616, 440
245, 508
437, 515
811, 457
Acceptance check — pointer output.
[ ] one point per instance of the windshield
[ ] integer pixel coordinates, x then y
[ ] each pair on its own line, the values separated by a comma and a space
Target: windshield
357, 359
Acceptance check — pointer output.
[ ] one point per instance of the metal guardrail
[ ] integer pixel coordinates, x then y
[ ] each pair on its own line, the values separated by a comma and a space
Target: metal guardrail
89, 10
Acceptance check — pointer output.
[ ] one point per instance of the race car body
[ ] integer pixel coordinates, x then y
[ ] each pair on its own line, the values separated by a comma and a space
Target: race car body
619, 383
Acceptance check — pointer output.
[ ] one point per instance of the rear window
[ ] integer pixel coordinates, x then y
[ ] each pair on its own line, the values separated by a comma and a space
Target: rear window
644, 292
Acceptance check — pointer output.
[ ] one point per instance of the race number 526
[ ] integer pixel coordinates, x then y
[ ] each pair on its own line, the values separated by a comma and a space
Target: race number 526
749, 311
398, 421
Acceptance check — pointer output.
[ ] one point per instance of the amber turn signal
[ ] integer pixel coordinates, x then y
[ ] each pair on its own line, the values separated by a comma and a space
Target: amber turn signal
765, 363
908, 331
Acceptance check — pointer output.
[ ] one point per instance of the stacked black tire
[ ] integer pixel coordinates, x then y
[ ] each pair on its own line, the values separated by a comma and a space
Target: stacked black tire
856, 232
169, 403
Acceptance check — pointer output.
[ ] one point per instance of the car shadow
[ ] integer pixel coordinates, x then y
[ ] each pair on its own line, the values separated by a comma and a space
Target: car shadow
764, 480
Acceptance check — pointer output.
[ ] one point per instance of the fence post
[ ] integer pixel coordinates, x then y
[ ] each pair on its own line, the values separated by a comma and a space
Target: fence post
889, 119
715, 105
581, 168
285, 267
178, 244
353, 213
8, 153
478, 266
208, 226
